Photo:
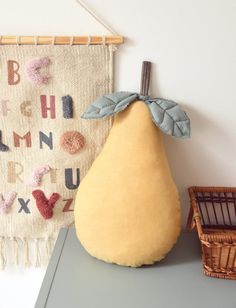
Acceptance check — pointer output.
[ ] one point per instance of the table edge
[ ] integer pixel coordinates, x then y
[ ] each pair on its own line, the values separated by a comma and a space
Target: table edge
50, 274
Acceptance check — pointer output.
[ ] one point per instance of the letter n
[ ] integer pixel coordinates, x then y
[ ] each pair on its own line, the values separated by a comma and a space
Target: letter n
45, 108
26, 137
48, 140
13, 75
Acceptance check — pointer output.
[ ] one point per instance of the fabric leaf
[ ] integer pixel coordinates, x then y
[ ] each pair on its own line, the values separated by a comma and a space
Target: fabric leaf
169, 117
109, 104
166, 114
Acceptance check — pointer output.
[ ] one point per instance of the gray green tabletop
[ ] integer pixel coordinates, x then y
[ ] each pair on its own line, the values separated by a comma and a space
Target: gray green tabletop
74, 279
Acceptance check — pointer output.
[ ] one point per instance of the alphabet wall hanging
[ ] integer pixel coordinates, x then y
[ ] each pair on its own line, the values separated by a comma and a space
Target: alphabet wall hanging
45, 147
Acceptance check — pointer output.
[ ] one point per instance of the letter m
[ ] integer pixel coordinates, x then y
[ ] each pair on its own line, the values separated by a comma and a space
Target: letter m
26, 137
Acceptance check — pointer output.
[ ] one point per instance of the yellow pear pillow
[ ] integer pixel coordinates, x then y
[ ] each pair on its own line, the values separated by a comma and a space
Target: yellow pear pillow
127, 208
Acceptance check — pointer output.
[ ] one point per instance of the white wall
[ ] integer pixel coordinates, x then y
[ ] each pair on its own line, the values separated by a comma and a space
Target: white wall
193, 47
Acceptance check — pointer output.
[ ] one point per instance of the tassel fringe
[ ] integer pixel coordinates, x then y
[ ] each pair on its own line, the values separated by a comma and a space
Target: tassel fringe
25, 251
2, 253
15, 249
36, 253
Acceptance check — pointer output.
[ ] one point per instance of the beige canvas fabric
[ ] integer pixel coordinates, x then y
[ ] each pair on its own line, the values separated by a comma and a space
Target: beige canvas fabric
84, 73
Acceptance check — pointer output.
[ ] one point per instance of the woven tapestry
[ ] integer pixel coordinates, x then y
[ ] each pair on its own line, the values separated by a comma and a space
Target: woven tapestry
45, 147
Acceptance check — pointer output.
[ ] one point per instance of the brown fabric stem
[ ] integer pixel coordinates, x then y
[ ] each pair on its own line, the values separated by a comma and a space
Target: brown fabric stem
145, 78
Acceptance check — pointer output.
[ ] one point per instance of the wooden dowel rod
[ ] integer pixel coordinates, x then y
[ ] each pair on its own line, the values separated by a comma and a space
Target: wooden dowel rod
61, 40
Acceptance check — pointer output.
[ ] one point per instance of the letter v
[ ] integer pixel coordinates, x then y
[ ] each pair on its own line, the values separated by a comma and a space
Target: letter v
7, 201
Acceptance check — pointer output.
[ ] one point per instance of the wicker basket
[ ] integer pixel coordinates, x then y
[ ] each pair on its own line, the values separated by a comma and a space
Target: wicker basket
213, 213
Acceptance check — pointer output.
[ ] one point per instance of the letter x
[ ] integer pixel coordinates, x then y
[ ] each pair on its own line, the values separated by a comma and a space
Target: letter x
24, 205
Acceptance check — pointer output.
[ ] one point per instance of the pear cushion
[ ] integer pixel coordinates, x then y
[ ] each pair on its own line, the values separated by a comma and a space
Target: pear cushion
127, 207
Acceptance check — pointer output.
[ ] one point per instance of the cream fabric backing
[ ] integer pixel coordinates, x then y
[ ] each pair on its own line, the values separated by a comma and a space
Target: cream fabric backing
84, 73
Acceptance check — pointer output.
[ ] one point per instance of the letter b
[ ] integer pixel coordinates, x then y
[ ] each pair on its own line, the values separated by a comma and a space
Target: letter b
13, 72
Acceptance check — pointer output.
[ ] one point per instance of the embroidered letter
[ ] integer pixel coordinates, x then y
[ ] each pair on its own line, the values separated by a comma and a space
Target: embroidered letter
67, 106
53, 175
68, 203
7, 201
25, 108
13, 75
24, 205
45, 108
13, 173
44, 205
3, 147
38, 174
69, 178
26, 137
3, 107
45, 139
33, 67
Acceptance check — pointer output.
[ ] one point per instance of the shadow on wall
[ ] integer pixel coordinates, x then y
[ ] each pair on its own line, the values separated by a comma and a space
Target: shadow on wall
134, 68
198, 161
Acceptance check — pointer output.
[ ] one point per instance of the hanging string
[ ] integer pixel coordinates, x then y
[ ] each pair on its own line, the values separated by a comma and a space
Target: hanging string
71, 40
103, 40
89, 40
36, 40
98, 19
17, 40
53, 40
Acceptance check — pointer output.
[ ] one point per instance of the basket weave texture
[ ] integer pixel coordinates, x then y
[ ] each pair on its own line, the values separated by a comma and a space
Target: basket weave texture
213, 213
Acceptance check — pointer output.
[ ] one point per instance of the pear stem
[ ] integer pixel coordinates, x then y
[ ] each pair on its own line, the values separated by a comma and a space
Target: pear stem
145, 78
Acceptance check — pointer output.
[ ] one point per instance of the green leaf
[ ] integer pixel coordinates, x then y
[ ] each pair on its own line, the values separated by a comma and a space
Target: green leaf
166, 114
109, 104
169, 117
